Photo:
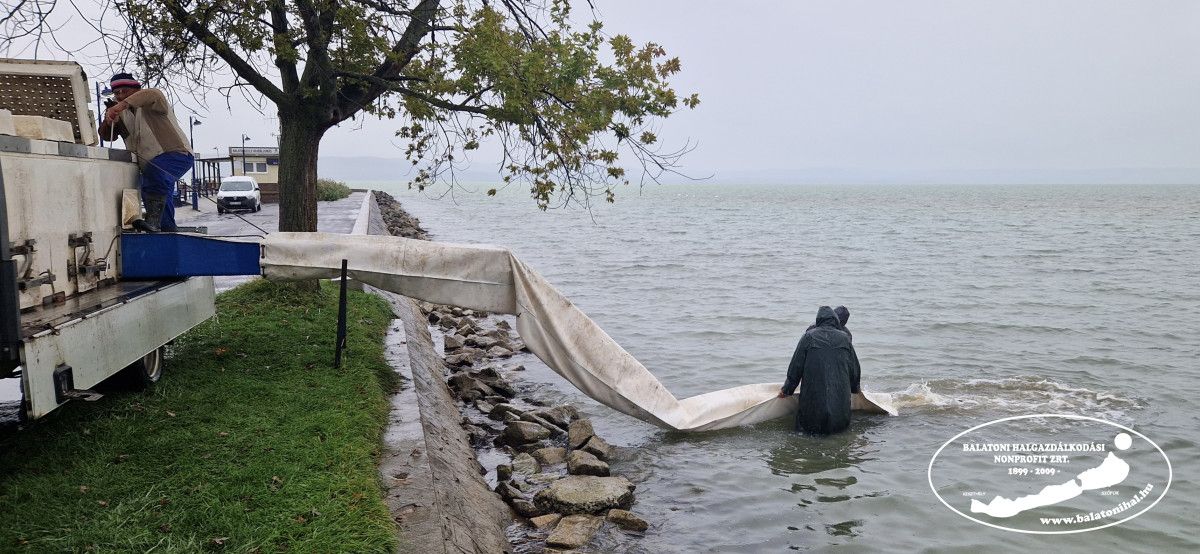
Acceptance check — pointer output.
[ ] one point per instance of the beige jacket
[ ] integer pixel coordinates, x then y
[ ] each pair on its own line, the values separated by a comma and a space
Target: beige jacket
149, 127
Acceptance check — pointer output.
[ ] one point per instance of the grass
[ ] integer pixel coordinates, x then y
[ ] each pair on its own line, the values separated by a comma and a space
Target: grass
251, 442
329, 190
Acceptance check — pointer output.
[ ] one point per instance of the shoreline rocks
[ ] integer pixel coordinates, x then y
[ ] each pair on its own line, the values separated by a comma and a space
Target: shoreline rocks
585, 494
558, 474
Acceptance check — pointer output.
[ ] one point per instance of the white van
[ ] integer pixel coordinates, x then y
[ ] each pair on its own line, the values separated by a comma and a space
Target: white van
238, 193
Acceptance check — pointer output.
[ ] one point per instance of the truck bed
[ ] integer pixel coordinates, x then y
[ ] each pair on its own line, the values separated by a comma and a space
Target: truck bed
46, 319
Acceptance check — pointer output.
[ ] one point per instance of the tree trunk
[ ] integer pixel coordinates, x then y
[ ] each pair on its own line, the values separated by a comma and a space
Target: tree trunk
299, 142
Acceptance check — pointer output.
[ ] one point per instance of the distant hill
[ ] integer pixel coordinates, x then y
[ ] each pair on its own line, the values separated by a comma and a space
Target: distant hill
366, 168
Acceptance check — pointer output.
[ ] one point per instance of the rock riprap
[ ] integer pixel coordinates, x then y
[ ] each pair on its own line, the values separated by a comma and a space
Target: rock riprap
522, 432
585, 494
578, 433
574, 531
627, 520
580, 462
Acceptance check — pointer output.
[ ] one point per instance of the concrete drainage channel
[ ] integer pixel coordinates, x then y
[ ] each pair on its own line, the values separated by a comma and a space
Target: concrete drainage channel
436, 492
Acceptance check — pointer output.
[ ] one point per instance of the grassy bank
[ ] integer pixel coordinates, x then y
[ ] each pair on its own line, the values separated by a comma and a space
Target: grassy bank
250, 443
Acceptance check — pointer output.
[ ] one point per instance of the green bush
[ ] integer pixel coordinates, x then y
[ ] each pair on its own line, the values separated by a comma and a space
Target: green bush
329, 190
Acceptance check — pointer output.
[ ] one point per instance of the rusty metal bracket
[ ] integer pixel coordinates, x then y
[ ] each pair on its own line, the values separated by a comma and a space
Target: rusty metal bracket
25, 248
76, 240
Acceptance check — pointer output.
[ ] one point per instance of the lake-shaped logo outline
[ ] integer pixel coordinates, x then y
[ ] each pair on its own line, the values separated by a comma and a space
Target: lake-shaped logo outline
1163, 493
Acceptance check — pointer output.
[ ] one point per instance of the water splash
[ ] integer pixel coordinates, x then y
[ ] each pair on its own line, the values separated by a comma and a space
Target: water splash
1011, 395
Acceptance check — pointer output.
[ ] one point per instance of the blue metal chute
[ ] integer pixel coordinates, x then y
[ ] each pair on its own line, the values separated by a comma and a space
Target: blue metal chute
167, 255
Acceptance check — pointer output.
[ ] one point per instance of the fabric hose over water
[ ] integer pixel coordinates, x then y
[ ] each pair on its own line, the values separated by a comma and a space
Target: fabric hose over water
492, 279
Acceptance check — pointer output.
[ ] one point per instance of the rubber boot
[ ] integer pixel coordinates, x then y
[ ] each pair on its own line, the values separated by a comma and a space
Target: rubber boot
155, 204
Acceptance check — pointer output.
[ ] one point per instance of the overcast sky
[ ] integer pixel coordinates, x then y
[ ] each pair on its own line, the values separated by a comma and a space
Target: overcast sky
887, 85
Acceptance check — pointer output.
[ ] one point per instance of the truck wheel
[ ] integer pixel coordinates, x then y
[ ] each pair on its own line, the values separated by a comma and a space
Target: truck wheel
220, 210
146, 371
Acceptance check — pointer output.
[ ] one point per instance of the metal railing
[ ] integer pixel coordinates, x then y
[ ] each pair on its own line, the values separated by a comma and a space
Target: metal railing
206, 179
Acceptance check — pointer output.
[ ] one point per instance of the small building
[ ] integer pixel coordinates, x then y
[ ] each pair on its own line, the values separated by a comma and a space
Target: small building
260, 162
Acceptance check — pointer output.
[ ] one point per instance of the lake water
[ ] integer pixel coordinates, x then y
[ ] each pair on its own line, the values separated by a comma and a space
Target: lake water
970, 303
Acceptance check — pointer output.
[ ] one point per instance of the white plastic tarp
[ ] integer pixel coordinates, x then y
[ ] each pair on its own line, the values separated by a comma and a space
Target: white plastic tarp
492, 279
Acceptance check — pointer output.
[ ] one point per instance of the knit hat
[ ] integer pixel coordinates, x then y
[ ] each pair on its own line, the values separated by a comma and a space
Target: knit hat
843, 314
123, 80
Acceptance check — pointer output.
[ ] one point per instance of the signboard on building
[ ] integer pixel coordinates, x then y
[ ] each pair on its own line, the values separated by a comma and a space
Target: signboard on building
257, 151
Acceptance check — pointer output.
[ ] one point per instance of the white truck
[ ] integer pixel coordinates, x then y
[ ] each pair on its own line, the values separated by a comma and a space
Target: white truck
68, 319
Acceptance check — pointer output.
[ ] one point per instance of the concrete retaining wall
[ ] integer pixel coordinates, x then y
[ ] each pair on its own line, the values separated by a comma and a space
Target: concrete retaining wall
441, 502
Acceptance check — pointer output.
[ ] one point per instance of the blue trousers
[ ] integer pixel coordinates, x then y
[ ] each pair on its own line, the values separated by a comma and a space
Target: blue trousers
159, 176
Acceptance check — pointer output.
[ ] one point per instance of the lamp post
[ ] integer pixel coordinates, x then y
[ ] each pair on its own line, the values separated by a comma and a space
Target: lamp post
244, 139
192, 123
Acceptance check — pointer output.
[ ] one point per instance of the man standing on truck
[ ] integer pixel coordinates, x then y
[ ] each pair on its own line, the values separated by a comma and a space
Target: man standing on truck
144, 119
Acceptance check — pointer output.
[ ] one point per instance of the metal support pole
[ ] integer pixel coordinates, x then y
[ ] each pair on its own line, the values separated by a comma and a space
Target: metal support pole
100, 114
341, 322
192, 123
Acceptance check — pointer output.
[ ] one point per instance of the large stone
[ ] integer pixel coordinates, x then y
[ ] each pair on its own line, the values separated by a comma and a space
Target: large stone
525, 508
627, 520
579, 432
597, 447
560, 415
554, 429
522, 432
451, 343
499, 410
477, 436
498, 333
488, 373
482, 341
499, 352
507, 491
550, 455
580, 462
542, 479
524, 485
574, 531
548, 520
503, 388
464, 357
585, 494
469, 388
525, 464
